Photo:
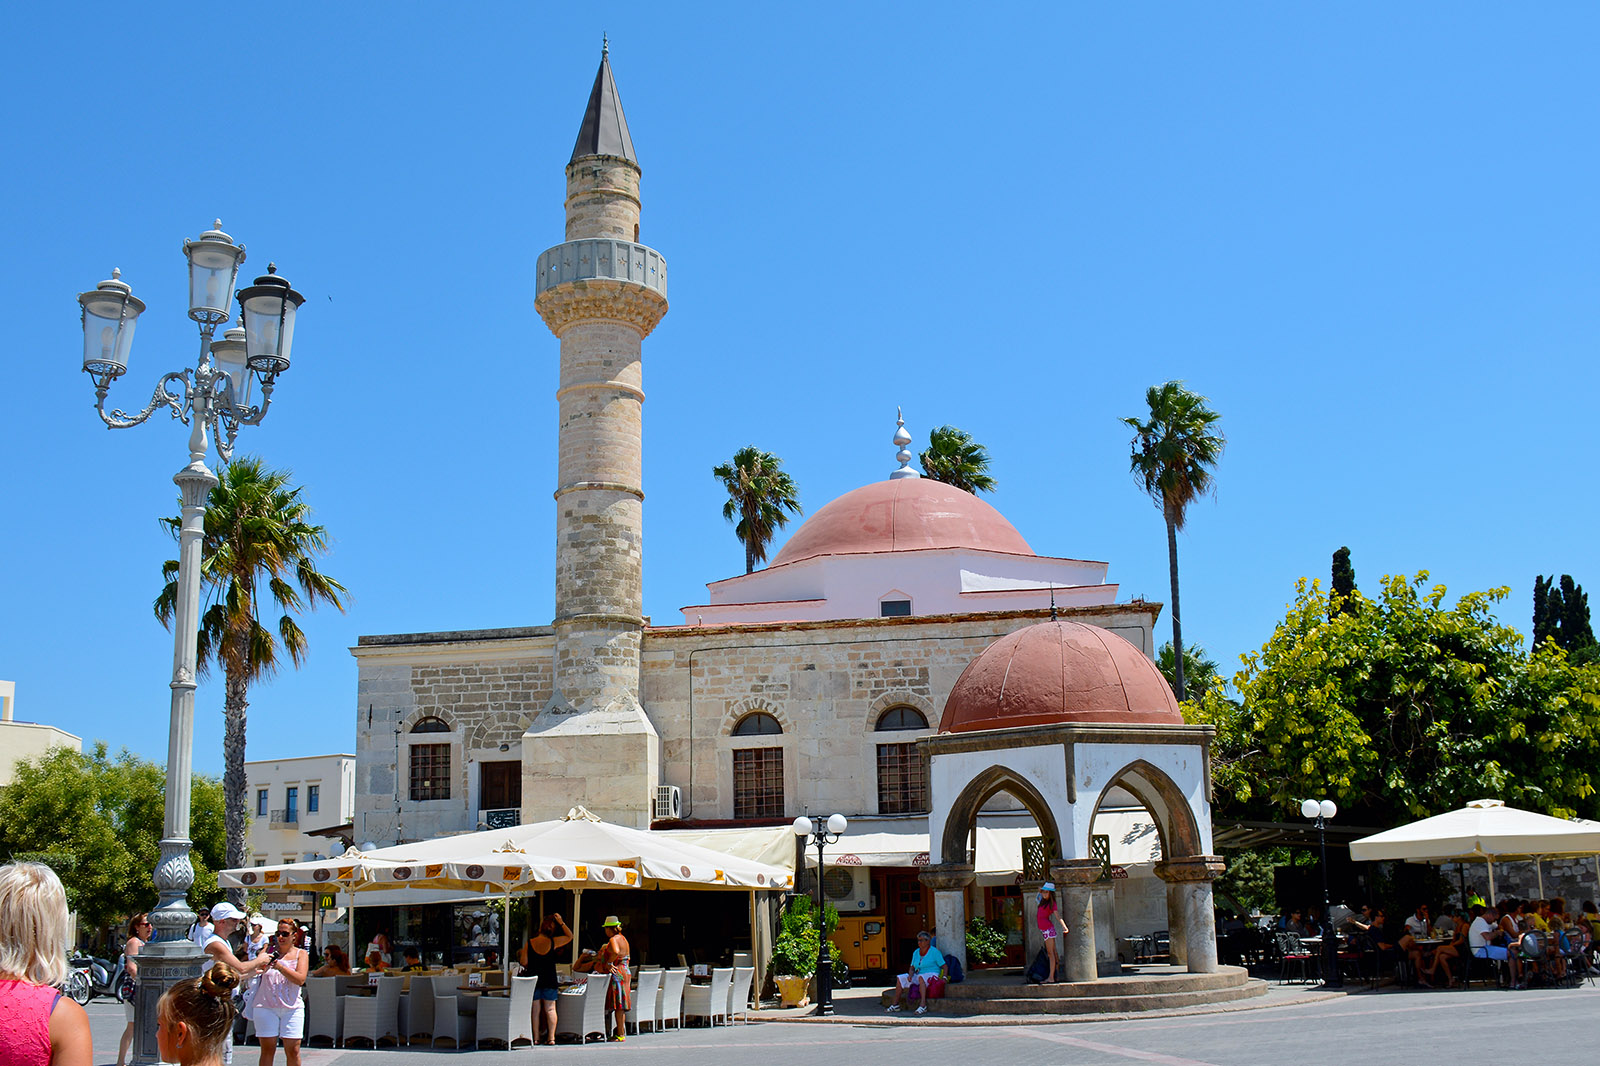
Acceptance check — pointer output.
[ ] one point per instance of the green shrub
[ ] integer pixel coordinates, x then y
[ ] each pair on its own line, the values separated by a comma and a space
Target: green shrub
986, 941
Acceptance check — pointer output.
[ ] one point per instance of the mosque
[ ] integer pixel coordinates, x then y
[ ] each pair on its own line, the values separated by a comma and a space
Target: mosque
825, 682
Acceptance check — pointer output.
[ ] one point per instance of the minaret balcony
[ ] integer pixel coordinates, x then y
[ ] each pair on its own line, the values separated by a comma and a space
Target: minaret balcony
604, 259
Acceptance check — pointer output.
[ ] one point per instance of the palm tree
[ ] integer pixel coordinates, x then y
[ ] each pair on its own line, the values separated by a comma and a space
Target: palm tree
1173, 453
1199, 672
258, 532
954, 458
760, 498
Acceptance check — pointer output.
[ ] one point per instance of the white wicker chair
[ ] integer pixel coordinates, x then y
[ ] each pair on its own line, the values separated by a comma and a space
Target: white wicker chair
739, 990
449, 1023
592, 1019
709, 1001
324, 1010
374, 1018
419, 1010
508, 1020
645, 1007
669, 1000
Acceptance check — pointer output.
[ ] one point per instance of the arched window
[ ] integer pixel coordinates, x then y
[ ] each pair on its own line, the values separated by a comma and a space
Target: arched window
902, 771
430, 763
757, 724
758, 772
901, 718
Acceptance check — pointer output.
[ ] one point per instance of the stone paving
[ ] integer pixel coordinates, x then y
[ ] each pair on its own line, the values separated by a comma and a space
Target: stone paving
1294, 1025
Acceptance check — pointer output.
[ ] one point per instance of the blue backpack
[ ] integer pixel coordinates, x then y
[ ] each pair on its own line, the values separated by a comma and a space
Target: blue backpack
952, 970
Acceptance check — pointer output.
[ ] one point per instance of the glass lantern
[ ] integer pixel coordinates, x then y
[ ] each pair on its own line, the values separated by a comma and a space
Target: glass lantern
269, 307
229, 355
110, 312
213, 266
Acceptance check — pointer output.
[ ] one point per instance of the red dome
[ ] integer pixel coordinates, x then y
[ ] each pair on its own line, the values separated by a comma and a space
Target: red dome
1059, 673
905, 514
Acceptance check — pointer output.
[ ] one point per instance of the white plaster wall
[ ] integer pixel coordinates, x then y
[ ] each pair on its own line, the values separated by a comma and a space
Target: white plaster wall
28, 740
1043, 767
938, 581
334, 775
1097, 764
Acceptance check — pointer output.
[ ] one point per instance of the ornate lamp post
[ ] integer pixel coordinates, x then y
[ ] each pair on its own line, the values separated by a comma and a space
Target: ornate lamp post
1323, 811
212, 397
821, 836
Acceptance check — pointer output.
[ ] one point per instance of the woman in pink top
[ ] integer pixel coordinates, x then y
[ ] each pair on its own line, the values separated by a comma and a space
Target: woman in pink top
1049, 917
279, 1013
38, 1025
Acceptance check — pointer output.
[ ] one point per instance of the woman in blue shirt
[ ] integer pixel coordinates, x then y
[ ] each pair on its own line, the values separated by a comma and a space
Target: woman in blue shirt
926, 962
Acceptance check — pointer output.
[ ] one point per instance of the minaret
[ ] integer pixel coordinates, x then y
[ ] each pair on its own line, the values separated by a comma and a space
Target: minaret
601, 293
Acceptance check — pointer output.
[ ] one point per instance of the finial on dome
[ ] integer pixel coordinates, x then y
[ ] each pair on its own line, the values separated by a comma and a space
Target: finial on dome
901, 439
605, 44
1053, 602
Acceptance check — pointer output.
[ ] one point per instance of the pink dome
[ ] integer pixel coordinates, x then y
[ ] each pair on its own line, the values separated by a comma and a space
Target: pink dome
1059, 673
904, 514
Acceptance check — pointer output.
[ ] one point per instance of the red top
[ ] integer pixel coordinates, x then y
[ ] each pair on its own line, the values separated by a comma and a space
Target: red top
25, 1022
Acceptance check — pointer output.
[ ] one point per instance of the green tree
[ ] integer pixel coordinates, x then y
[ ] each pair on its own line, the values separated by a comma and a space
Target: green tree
954, 458
97, 821
1173, 453
1404, 707
259, 553
761, 497
1343, 580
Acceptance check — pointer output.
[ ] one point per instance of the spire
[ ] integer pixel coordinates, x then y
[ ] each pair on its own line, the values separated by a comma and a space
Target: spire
901, 439
604, 130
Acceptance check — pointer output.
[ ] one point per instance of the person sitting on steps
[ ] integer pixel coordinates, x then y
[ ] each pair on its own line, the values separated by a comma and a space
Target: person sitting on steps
926, 962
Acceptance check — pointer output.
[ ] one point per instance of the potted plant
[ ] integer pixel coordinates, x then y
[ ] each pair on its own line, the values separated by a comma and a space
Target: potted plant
794, 953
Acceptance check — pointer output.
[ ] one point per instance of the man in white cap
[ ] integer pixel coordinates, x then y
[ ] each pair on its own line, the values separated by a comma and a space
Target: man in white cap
225, 918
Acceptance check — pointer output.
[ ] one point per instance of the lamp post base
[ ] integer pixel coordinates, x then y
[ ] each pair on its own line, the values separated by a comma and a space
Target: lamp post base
161, 965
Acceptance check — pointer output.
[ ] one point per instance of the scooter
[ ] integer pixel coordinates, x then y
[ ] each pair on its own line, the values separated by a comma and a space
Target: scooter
101, 975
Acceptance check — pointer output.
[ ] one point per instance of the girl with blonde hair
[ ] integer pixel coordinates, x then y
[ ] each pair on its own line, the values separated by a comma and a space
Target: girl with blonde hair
38, 1025
195, 1018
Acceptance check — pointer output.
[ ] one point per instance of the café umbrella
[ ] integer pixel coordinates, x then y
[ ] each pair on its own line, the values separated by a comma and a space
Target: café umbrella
1486, 831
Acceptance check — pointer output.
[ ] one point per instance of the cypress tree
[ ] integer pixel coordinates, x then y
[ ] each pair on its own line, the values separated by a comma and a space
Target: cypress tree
1344, 581
1541, 609
1575, 631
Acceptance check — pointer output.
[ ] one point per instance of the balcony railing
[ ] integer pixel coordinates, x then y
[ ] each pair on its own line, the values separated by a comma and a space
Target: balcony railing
289, 819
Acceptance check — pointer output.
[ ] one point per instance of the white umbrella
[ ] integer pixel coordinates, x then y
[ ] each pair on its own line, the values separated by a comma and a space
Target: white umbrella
1483, 831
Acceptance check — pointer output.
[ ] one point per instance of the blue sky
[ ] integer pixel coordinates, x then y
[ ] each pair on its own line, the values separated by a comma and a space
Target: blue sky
1365, 231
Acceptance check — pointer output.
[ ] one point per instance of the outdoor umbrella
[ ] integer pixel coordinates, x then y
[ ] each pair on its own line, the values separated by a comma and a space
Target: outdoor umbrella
1485, 831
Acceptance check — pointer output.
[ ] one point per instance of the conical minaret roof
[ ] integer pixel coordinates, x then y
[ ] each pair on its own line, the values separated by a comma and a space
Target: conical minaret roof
604, 130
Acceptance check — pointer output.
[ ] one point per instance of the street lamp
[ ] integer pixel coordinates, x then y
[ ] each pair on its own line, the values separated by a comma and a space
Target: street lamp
1322, 811
212, 397
821, 836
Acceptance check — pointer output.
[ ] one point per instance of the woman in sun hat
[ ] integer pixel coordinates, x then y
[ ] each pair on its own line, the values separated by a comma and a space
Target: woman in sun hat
613, 959
1049, 917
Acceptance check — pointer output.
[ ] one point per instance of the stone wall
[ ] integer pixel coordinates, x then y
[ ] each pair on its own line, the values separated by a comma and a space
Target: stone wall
1574, 880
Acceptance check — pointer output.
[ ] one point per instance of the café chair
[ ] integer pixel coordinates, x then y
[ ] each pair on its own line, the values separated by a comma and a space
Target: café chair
508, 1019
709, 1001
449, 1023
645, 1005
669, 998
324, 1010
739, 990
419, 1010
374, 1018
592, 1019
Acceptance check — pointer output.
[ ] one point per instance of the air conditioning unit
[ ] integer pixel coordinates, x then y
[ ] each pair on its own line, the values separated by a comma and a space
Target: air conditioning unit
669, 802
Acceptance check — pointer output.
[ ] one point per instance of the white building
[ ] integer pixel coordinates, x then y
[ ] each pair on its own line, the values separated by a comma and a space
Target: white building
300, 808
25, 740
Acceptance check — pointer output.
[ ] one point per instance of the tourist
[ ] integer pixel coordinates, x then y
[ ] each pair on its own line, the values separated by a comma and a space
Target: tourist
277, 1009
334, 963
1047, 919
38, 1025
1486, 939
377, 955
194, 1020
138, 929
258, 940
202, 928
413, 959
1445, 954
538, 958
1416, 928
926, 963
225, 918
615, 954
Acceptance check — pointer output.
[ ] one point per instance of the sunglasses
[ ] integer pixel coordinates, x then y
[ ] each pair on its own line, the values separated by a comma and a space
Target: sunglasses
280, 933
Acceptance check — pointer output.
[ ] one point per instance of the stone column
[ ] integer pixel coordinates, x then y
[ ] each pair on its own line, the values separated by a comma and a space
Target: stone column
1177, 926
1189, 906
1074, 879
1032, 939
949, 883
1106, 963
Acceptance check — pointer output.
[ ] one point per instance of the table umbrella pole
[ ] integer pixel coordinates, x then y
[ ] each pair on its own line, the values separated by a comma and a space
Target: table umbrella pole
350, 932
505, 937
577, 916
1538, 873
1494, 897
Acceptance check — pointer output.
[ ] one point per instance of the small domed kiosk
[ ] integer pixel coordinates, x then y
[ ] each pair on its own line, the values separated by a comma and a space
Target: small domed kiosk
1058, 715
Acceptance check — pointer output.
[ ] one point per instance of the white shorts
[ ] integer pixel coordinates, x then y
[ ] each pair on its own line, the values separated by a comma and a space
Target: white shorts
905, 979
127, 1010
287, 1023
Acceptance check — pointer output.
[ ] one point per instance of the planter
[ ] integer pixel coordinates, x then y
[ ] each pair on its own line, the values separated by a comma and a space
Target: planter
792, 990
